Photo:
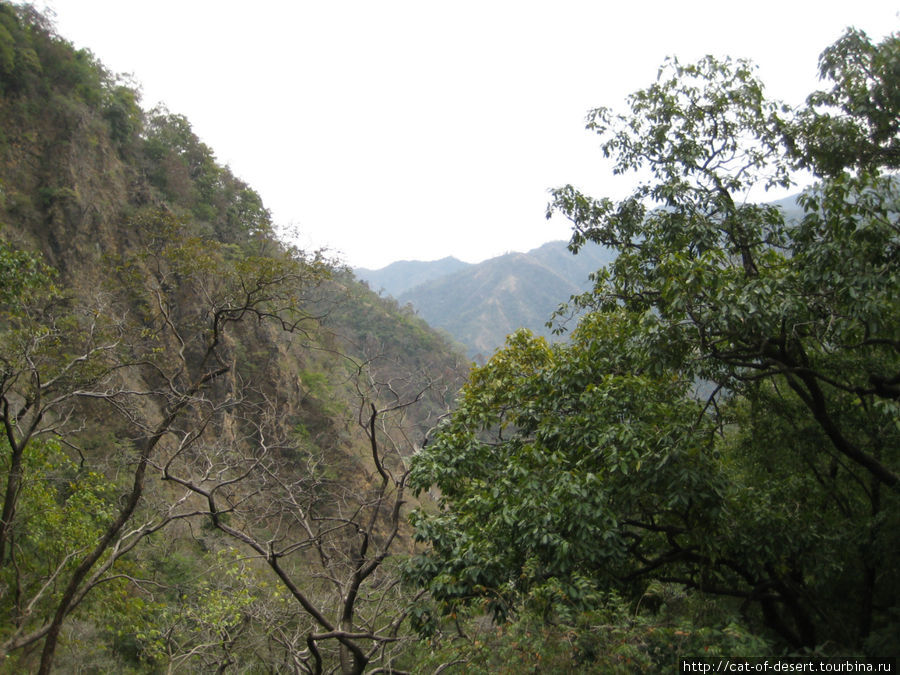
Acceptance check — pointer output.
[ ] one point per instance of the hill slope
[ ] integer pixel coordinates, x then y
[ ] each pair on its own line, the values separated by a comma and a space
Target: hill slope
401, 276
479, 305
200, 422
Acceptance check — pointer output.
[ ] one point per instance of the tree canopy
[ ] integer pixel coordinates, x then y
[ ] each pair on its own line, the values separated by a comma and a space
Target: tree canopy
726, 416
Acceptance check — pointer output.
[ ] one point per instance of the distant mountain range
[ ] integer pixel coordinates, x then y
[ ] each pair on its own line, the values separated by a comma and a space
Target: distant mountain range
480, 304
399, 277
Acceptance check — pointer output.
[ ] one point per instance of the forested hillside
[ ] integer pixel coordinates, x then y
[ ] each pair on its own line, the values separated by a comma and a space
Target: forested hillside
205, 429
479, 305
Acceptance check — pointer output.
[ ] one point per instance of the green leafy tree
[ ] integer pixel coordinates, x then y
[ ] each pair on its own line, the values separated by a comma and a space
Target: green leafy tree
726, 416
551, 454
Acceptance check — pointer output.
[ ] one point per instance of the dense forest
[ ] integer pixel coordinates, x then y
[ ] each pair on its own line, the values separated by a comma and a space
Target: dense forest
221, 453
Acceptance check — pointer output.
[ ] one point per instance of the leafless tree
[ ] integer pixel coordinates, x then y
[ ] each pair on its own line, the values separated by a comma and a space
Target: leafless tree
326, 538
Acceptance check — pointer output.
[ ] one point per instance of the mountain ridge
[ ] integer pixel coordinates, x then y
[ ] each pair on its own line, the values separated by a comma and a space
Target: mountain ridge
402, 275
480, 304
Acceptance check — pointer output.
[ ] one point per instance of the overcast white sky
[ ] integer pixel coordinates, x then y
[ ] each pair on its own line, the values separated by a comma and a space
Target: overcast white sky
389, 130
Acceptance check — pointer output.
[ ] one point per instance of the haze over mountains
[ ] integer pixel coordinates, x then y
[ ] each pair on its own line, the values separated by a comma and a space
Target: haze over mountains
480, 304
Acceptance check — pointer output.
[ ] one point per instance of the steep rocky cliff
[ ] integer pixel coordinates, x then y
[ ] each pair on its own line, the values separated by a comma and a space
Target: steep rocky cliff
205, 428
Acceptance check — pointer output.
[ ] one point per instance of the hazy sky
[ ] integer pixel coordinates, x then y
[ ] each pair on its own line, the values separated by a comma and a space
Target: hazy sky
389, 130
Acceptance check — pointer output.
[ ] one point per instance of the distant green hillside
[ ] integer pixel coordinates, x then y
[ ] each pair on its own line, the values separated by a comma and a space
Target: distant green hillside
479, 305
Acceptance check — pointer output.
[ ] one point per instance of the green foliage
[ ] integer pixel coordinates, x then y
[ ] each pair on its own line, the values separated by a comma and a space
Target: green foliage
22, 274
18, 60
855, 124
549, 455
61, 509
600, 467
33, 61
612, 637
124, 115
210, 609
184, 169
59, 94
88, 374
